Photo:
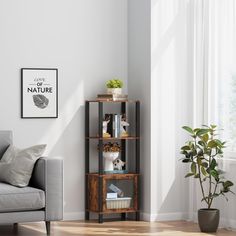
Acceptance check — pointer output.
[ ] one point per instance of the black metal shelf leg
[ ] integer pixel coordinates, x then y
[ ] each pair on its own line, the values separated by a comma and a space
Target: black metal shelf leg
86, 159
100, 162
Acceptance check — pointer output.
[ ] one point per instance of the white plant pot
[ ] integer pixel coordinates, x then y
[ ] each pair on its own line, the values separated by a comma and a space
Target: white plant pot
109, 158
114, 90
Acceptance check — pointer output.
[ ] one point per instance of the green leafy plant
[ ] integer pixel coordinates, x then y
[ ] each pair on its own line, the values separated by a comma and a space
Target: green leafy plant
201, 152
114, 83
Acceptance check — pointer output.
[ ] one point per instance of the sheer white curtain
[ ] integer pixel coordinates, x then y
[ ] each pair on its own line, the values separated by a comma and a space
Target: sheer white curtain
215, 67
214, 63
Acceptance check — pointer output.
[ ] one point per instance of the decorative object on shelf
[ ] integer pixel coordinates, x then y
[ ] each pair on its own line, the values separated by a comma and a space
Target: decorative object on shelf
112, 195
118, 164
117, 125
112, 97
202, 152
39, 93
123, 125
104, 126
114, 86
110, 153
115, 189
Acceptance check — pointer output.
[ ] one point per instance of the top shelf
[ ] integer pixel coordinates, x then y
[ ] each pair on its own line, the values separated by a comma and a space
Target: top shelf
111, 101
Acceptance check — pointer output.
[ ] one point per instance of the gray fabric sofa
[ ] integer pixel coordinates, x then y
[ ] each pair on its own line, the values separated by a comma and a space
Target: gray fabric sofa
42, 200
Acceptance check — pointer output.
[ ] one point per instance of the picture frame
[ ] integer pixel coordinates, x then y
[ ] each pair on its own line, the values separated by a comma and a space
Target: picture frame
39, 93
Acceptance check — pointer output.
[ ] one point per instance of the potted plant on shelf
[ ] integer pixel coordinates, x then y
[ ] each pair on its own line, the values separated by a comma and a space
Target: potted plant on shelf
202, 152
110, 153
114, 86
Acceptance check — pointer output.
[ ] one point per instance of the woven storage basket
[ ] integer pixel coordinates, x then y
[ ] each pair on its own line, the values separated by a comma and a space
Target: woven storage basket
118, 203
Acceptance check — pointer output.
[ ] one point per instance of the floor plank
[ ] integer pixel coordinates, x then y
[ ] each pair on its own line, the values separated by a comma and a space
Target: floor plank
127, 228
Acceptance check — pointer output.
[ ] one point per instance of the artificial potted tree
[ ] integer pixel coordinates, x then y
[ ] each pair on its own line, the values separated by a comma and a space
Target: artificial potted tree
202, 152
114, 86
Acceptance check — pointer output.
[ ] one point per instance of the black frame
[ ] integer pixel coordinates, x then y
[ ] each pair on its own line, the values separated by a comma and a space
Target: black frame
100, 155
22, 102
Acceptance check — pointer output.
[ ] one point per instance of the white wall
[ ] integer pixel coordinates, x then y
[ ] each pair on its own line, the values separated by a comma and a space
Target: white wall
171, 106
158, 73
139, 84
87, 41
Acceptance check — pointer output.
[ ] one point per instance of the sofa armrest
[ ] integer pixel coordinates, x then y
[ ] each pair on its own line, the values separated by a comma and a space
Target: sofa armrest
48, 176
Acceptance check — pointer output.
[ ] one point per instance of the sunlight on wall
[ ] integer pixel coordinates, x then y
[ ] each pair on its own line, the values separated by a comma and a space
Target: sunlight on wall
66, 114
166, 23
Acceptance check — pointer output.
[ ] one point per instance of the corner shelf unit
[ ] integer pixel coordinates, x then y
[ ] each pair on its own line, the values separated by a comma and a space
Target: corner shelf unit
96, 184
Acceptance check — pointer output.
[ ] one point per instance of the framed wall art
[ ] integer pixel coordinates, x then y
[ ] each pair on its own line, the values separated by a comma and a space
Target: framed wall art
39, 93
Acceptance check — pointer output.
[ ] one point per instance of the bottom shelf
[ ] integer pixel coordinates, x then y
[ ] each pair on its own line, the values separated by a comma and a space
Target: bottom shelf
116, 211
117, 193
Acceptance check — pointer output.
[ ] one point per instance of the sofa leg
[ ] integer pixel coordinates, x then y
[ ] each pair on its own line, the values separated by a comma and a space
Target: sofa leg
47, 223
15, 227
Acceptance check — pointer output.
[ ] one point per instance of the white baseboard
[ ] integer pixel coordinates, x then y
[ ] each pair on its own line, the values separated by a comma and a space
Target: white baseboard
228, 224
224, 223
73, 216
144, 216
164, 216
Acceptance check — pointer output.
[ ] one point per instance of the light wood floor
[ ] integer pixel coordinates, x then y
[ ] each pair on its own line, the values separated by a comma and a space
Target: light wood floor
123, 228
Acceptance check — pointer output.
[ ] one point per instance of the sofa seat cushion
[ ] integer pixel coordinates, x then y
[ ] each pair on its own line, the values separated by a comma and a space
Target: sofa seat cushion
13, 199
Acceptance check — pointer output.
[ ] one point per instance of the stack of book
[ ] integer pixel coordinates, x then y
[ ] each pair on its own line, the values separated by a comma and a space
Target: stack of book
112, 97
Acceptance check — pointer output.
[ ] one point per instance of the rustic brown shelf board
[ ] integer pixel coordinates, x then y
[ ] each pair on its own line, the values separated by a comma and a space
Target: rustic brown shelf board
113, 175
111, 101
113, 138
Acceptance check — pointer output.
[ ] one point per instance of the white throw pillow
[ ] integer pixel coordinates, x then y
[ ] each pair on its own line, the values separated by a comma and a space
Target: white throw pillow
16, 165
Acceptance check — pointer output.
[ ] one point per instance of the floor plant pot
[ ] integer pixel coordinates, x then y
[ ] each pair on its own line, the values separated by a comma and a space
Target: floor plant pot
208, 219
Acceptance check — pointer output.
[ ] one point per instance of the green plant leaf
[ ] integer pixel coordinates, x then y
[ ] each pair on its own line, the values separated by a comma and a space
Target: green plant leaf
205, 137
214, 173
202, 132
203, 171
200, 153
201, 143
196, 176
185, 148
205, 164
212, 144
188, 129
199, 160
194, 168
213, 164
227, 184
184, 152
188, 175
186, 160
219, 143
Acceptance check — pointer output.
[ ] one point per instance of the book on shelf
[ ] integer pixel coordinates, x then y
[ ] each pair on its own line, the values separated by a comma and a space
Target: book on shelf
114, 126
112, 97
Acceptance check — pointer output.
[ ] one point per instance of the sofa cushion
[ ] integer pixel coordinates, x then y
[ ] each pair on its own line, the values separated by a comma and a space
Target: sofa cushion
13, 199
5, 141
16, 165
